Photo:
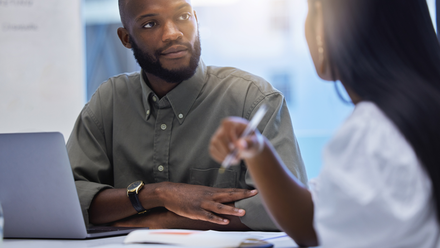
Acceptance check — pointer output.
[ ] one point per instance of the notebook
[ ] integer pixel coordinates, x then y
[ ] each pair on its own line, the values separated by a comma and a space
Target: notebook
37, 190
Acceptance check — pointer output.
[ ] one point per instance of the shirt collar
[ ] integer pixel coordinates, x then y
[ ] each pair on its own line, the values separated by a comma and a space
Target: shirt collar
183, 96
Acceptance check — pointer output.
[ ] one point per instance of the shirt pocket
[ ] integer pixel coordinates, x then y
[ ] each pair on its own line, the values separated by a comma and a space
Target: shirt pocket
212, 178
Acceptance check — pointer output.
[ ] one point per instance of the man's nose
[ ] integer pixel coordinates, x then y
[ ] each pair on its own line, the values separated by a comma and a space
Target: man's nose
171, 32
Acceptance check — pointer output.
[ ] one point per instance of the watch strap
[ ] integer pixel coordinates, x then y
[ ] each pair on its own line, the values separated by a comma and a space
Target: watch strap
134, 199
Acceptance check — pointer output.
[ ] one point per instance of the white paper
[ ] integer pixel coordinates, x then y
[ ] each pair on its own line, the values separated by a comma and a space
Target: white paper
191, 238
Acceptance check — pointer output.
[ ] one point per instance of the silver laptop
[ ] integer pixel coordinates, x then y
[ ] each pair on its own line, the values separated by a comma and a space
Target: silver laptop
37, 190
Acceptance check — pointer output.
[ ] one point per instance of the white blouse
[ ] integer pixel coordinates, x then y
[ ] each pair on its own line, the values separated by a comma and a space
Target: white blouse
372, 190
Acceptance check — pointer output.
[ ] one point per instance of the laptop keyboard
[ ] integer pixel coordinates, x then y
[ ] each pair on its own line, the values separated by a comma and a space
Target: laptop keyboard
100, 229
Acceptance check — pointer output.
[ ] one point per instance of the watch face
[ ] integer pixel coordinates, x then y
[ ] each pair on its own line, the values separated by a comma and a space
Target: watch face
134, 185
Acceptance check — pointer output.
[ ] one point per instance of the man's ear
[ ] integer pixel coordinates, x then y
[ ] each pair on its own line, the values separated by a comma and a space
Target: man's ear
124, 37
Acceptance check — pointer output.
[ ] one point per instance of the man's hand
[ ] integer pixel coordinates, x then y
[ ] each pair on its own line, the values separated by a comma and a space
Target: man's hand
202, 202
161, 218
194, 202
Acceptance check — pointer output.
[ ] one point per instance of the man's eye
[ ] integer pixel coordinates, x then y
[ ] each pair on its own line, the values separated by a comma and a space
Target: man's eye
184, 17
150, 25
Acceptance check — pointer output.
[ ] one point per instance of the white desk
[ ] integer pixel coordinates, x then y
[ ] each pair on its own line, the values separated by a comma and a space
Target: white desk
47, 243
113, 242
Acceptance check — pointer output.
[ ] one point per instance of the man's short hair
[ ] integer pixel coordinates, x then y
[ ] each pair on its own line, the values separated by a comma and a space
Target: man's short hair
122, 4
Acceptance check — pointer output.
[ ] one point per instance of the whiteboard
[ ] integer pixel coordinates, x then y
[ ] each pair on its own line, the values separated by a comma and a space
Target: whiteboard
42, 65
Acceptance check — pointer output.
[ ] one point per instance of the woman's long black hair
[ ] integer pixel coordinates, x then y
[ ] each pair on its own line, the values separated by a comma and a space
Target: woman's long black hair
387, 52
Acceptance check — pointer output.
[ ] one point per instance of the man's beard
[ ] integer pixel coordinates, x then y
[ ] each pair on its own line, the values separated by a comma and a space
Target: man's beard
151, 63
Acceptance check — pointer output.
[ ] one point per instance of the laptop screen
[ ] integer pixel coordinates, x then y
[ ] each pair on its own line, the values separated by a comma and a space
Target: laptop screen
37, 189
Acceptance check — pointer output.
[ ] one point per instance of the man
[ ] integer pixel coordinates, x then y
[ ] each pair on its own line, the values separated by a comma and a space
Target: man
154, 126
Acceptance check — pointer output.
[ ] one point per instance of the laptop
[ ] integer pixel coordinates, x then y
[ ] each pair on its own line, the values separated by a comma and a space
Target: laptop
37, 190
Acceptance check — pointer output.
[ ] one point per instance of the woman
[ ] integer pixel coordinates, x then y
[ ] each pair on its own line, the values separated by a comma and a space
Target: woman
380, 181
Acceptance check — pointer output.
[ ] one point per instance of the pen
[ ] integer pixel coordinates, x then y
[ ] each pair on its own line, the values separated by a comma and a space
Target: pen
249, 129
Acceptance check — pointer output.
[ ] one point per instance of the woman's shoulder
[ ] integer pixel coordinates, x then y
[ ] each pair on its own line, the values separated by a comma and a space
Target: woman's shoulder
369, 111
366, 114
368, 155
368, 128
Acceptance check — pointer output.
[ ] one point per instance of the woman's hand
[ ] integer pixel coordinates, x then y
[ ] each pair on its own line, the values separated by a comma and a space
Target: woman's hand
227, 138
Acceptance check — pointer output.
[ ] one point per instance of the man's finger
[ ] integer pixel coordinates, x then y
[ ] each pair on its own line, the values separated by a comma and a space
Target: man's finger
213, 218
219, 208
232, 195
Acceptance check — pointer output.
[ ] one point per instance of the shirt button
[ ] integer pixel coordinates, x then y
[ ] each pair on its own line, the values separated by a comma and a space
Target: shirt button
154, 98
148, 112
180, 116
163, 126
160, 168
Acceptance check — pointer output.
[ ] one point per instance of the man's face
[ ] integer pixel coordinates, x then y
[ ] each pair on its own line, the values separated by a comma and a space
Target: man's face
164, 37
151, 62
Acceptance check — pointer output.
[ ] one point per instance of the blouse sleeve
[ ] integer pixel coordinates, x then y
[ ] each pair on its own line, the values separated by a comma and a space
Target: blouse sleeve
372, 188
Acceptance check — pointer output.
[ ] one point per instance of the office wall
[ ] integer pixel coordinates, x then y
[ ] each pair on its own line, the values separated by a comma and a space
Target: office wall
42, 67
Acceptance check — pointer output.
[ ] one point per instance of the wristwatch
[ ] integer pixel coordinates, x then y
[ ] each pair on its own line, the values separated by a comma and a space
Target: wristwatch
132, 193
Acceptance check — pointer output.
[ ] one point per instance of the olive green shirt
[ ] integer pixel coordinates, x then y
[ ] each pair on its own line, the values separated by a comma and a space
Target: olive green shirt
126, 133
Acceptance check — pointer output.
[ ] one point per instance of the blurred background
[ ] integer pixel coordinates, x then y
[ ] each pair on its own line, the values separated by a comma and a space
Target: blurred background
79, 41
264, 37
